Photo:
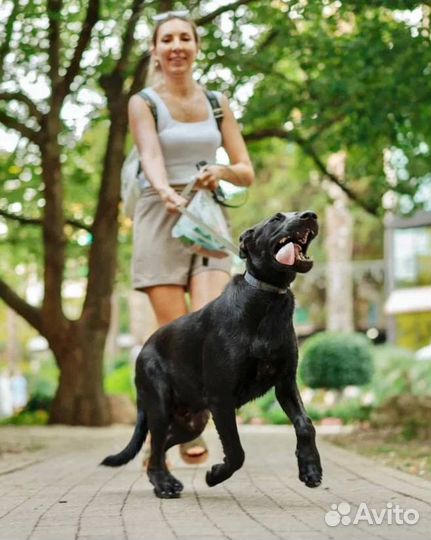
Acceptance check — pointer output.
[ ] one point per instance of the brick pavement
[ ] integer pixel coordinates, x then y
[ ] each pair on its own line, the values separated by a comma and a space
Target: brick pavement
59, 493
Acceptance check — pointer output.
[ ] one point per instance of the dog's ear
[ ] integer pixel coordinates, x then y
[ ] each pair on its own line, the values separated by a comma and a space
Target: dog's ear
243, 239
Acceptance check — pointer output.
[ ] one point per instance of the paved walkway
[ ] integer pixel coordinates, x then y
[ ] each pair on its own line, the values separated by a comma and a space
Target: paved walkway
58, 492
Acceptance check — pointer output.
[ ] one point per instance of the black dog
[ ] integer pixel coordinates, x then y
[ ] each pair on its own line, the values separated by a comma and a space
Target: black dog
233, 350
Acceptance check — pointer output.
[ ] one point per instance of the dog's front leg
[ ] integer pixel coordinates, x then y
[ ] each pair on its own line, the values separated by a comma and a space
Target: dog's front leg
310, 469
223, 412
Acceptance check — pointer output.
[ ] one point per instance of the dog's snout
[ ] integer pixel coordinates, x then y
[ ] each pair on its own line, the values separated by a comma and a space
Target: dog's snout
308, 214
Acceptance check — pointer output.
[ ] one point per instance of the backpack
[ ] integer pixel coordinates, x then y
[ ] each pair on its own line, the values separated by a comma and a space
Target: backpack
130, 188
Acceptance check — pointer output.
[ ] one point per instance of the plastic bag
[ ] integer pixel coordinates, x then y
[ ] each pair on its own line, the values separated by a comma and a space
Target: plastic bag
195, 236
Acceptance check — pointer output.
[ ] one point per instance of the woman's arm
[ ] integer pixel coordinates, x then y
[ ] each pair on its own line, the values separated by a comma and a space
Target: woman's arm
144, 133
240, 171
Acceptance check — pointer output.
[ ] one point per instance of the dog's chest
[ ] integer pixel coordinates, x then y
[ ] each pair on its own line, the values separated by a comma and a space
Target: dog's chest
266, 370
257, 377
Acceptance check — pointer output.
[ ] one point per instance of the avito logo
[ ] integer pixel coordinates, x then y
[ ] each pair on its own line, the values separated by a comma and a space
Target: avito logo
389, 515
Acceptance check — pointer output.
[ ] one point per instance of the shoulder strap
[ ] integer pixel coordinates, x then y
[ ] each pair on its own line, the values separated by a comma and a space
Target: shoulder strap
150, 102
216, 107
153, 108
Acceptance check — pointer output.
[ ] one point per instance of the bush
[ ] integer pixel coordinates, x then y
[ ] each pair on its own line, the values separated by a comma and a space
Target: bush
42, 384
397, 372
335, 360
120, 381
27, 418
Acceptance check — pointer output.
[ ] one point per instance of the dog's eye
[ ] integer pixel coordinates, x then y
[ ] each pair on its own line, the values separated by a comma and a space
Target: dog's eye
278, 217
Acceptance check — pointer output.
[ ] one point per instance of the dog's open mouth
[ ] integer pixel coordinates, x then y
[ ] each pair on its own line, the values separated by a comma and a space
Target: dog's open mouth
291, 249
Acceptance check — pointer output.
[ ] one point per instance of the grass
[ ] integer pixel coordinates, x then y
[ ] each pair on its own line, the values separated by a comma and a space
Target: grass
391, 447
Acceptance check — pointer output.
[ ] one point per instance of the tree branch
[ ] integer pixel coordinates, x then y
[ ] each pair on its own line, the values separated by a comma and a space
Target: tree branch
268, 132
222, 9
19, 96
54, 14
140, 73
13, 123
309, 150
128, 39
5, 46
91, 19
37, 221
28, 312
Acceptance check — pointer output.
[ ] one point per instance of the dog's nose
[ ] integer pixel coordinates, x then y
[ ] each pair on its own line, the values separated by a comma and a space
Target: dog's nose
308, 214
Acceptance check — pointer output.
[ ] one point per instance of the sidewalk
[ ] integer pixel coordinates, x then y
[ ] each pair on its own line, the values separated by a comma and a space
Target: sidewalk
59, 492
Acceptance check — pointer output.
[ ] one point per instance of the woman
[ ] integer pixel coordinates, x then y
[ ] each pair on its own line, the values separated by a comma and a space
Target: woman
186, 133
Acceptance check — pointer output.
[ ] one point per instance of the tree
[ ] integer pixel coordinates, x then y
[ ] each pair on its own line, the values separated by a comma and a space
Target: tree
72, 47
345, 76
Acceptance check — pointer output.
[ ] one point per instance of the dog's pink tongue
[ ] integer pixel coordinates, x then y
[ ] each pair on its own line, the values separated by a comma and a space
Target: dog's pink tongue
286, 255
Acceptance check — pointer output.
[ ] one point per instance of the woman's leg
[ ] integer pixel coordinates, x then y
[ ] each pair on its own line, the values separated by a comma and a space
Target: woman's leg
168, 302
206, 286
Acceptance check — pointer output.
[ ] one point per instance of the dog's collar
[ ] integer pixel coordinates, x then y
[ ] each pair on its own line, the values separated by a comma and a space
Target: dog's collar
258, 284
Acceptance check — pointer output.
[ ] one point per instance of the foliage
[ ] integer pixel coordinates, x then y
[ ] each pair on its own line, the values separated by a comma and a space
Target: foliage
27, 418
120, 381
43, 382
338, 81
397, 372
349, 411
336, 360
269, 411
266, 408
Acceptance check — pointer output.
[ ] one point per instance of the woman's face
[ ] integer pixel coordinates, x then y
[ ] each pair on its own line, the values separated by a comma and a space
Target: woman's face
176, 47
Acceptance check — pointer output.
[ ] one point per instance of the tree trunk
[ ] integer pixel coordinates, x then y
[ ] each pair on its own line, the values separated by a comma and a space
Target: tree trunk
339, 248
79, 398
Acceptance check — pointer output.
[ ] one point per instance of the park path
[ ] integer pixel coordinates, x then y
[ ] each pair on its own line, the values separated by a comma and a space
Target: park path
58, 492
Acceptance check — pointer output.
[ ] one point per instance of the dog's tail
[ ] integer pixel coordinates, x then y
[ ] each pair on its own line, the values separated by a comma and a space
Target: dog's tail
135, 444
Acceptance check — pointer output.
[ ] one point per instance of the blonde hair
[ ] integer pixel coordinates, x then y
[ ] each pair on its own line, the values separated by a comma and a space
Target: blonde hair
154, 74
170, 17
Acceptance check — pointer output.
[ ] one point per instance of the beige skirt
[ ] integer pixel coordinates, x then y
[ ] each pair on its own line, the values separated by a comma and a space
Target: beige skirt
158, 258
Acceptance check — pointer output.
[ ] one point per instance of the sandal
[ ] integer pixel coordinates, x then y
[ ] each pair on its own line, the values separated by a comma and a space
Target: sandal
194, 452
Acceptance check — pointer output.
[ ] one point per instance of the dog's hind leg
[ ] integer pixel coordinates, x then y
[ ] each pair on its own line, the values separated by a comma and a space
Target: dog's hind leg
223, 412
310, 469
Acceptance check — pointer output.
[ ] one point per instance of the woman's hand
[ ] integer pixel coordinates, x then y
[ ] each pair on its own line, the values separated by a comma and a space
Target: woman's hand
172, 199
208, 177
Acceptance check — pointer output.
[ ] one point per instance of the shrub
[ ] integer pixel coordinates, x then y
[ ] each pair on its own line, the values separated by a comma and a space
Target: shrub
120, 381
336, 360
397, 372
42, 384
27, 418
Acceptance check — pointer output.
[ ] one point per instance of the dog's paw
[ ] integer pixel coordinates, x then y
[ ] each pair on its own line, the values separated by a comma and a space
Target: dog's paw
166, 486
176, 483
311, 474
217, 474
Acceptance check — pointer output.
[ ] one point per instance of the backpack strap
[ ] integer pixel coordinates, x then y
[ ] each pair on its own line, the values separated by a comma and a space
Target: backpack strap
216, 107
151, 104
153, 108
